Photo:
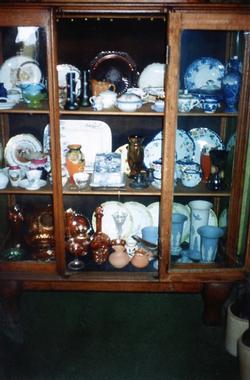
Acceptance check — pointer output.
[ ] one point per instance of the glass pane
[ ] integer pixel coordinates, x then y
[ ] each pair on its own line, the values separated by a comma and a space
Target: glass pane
23, 70
205, 225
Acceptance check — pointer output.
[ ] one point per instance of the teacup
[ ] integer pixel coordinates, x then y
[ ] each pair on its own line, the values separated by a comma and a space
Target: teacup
190, 177
210, 105
159, 105
15, 175
186, 102
81, 179
96, 102
108, 98
34, 176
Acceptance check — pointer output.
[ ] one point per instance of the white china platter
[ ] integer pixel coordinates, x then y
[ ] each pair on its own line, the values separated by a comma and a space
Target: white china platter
123, 150
10, 71
152, 152
108, 223
152, 76
205, 137
204, 73
24, 183
63, 70
141, 216
184, 146
19, 148
154, 209
93, 135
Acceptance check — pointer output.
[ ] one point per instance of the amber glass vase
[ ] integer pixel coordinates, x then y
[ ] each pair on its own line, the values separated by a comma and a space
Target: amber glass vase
135, 155
100, 244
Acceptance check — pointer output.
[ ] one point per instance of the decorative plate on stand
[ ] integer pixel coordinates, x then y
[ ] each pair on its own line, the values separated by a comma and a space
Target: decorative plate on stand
116, 67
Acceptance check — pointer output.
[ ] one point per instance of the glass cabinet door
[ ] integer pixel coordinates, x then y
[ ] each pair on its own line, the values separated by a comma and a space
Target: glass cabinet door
27, 202
210, 215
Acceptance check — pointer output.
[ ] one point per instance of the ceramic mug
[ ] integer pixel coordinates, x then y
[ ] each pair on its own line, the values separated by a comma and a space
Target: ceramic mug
34, 176
210, 105
96, 102
15, 175
190, 177
187, 103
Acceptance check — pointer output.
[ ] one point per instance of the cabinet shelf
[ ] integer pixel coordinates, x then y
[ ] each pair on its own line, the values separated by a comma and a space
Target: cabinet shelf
145, 110
199, 190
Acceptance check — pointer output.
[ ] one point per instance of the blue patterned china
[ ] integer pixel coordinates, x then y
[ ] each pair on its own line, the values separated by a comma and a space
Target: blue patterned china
204, 73
186, 102
210, 105
231, 84
205, 138
190, 177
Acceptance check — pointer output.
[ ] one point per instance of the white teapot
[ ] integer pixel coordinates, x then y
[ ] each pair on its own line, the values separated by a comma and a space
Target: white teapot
108, 98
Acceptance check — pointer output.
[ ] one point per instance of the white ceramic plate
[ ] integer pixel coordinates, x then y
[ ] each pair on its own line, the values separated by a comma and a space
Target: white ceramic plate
123, 150
154, 209
29, 73
205, 137
24, 183
204, 73
108, 223
152, 76
152, 152
93, 135
20, 147
62, 70
141, 216
10, 68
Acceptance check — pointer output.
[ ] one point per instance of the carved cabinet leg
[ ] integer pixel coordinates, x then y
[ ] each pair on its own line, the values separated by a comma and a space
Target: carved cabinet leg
10, 324
214, 296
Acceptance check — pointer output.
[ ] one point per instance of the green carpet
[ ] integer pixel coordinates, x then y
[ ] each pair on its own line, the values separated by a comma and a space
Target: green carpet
111, 336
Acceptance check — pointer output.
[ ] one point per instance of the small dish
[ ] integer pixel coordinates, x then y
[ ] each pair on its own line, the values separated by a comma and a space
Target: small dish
24, 183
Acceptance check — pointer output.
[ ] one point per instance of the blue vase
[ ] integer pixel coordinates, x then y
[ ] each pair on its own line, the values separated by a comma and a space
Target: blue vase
231, 84
3, 91
176, 233
209, 242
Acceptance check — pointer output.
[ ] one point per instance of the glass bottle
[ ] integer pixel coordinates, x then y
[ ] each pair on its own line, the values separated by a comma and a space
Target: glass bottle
231, 84
135, 155
75, 161
71, 100
100, 244
85, 89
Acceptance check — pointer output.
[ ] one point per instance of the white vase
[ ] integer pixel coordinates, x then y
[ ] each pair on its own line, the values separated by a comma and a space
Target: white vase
235, 326
244, 359
199, 217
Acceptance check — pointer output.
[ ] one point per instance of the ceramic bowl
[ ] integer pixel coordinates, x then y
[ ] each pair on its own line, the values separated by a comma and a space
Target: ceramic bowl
3, 180
128, 102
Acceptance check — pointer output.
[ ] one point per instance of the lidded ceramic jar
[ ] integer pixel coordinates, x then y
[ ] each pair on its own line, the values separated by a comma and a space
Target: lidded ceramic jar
129, 102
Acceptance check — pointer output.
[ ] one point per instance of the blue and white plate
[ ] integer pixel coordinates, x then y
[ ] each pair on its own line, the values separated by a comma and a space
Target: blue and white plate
204, 73
184, 146
205, 138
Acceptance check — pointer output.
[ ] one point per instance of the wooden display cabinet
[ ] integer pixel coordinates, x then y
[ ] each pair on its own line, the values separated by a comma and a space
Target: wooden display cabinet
74, 33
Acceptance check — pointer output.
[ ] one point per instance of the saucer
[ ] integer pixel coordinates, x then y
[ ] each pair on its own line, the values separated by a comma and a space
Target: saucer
26, 184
